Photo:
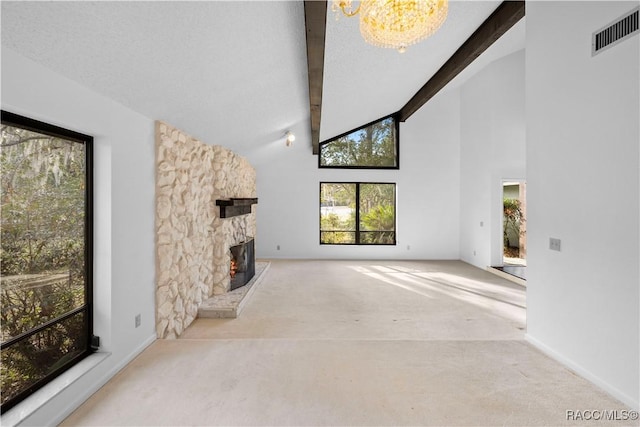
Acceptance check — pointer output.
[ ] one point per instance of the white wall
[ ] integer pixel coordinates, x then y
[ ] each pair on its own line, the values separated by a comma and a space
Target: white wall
492, 148
583, 134
288, 211
124, 213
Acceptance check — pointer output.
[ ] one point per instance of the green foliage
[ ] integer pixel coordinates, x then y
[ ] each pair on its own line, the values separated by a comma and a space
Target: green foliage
513, 217
371, 146
373, 195
338, 194
338, 237
35, 357
378, 225
42, 195
377, 213
41, 253
330, 222
381, 217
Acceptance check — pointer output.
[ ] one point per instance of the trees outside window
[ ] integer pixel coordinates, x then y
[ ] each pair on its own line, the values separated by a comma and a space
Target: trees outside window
45, 253
373, 146
357, 213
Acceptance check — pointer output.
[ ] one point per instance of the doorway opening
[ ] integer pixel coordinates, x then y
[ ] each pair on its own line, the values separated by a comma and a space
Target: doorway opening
514, 228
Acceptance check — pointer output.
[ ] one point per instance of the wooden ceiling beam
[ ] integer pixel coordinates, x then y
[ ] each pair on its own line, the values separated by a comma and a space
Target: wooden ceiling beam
498, 23
315, 17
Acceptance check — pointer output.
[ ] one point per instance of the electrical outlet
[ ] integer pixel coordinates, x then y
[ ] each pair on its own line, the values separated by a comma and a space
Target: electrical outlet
408, 247
138, 320
554, 244
278, 247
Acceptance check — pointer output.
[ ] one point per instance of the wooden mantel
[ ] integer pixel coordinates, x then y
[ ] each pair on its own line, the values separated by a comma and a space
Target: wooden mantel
235, 206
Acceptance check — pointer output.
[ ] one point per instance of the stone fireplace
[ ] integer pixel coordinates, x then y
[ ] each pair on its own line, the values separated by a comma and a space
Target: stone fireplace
193, 234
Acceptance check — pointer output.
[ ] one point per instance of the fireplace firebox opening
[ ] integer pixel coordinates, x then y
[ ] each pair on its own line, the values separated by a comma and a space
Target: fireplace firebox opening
243, 264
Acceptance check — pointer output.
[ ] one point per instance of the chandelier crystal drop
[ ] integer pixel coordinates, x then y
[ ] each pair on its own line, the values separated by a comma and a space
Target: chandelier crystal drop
395, 23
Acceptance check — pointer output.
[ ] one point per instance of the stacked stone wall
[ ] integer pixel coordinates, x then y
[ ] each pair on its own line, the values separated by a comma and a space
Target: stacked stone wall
192, 241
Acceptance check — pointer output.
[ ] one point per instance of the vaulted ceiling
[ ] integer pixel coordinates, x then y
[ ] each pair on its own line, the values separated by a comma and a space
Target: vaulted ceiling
234, 73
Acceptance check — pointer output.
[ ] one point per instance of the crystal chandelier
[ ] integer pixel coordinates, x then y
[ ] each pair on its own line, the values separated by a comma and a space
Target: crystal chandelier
395, 23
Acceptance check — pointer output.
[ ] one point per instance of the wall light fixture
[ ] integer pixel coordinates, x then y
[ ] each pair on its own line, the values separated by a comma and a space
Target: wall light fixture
290, 137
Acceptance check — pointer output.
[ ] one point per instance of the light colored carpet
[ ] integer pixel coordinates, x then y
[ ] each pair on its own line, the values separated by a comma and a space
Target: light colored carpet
366, 343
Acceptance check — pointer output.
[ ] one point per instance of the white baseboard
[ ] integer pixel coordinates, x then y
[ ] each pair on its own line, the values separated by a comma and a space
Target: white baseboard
586, 374
80, 399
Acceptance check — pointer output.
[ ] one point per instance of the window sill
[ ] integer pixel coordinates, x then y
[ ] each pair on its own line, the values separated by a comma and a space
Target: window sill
24, 409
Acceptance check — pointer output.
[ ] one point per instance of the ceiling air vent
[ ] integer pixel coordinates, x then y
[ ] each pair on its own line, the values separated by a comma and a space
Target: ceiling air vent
621, 29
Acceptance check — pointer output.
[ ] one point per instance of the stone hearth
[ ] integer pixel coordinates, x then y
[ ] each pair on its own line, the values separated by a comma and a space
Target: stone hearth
229, 305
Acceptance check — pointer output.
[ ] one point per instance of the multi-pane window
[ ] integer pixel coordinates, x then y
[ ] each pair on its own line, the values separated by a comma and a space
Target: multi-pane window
357, 213
45, 254
373, 146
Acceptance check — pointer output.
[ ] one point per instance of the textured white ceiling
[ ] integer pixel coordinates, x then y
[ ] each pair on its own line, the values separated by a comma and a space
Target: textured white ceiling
229, 72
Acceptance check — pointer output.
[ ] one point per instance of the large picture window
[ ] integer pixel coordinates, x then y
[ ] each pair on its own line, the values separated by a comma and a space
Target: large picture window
45, 253
373, 146
357, 213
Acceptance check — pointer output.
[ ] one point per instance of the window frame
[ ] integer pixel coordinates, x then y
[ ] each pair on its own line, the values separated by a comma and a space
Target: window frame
90, 341
396, 122
357, 230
